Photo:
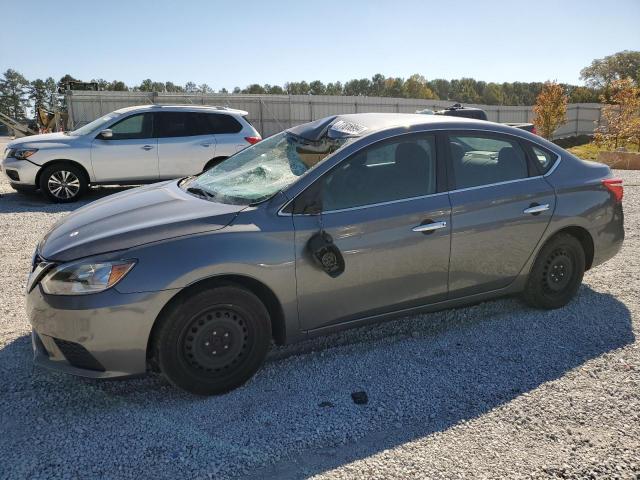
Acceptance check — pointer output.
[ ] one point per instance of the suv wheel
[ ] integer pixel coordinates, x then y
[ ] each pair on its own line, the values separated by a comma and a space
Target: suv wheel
63, 183
556, 274
214, 340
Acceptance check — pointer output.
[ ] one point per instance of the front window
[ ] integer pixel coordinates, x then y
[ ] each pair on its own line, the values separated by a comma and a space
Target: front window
95, 125
258, 172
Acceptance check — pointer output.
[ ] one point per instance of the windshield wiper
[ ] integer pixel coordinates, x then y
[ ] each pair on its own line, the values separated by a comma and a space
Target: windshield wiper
199, 191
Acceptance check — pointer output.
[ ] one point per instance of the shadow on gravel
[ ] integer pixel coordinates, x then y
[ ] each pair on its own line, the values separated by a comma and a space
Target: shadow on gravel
423, 374
16, 202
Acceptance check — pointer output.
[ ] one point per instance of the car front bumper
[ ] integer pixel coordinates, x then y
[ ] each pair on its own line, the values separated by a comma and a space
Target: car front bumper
101, 335
20, 172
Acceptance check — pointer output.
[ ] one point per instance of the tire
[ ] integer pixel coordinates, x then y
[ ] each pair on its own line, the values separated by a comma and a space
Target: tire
63, 183
556, 274
214, 340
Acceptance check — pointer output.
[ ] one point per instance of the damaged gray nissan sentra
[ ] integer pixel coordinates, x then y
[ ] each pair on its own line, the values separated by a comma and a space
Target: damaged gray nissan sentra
333, 224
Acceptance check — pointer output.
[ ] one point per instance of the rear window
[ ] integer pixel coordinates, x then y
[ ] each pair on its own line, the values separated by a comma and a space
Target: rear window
219, 123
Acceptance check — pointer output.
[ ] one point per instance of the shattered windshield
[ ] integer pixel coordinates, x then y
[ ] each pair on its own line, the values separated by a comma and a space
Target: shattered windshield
258, 172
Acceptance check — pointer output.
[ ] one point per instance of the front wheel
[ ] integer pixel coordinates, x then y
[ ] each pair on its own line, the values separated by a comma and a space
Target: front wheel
62, 183
214, 340
556, 274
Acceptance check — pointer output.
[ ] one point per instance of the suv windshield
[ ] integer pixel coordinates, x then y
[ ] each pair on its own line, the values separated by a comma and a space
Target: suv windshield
90, 127
258, 172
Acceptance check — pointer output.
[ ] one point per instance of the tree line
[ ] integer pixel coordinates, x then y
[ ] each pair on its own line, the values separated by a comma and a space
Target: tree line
18, 95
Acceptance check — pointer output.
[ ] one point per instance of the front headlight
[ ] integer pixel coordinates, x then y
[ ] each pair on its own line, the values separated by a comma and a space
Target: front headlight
81, 278
24, 153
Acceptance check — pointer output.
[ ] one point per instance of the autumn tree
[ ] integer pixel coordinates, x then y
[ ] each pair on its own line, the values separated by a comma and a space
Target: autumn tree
620, 118
550, 110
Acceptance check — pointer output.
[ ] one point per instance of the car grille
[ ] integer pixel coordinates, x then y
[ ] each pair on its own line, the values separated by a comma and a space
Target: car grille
77, 355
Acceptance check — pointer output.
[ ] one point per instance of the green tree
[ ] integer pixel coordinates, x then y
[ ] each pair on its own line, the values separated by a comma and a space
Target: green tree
317, 88
334, 88
493, 94
254, 88
416, 87
173, 88
603, 71
146, 85
14, 94
190, 87
377, 85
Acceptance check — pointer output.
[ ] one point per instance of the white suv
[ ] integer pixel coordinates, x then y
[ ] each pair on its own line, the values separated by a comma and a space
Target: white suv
132, 145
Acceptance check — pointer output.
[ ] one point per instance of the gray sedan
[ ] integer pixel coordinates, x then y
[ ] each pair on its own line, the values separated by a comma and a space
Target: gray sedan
337, 223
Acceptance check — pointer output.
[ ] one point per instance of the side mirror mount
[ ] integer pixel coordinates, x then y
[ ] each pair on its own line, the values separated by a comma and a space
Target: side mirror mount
310, 202
106, 134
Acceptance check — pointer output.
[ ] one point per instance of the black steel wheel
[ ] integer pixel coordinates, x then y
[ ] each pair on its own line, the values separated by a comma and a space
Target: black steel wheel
557, 273
213, 340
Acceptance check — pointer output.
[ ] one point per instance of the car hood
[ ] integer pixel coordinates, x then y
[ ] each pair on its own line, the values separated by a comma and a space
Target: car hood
42, 141
131, 218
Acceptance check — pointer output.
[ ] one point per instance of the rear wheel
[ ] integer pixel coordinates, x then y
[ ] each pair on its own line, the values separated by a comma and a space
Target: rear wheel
63, 183
556, 274
214, 340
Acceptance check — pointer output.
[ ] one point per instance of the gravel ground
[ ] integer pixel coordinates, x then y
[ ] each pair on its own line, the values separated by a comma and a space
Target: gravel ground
495, 390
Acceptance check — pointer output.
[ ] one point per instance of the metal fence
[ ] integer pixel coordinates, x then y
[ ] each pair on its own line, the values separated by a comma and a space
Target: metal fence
273, 113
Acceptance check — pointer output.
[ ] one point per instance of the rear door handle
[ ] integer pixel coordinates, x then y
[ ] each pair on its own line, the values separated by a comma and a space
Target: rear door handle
205, 144
429, 227
535, 209
147, 147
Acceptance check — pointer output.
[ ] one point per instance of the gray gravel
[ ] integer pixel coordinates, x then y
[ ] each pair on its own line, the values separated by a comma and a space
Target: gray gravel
493, 390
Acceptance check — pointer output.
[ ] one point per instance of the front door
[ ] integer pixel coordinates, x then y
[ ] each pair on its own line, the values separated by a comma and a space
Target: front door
501, 207
386, 216
130, 154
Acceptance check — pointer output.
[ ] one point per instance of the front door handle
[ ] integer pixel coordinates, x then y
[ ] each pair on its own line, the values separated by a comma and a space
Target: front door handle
147, 147
536, 209
429, 227
205, 144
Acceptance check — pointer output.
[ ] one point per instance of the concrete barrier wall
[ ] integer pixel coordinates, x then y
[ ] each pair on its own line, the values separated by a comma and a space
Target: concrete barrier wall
273, 113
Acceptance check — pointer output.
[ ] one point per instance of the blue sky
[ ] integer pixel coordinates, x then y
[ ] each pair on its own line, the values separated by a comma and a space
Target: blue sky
227, 44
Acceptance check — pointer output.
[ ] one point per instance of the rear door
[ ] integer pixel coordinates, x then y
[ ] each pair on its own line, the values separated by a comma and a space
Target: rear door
501, 207
130, 154
227, 129
185, 143
389, 219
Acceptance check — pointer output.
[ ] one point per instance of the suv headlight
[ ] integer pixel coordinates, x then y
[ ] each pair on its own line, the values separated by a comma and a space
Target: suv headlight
81, 278
24, 153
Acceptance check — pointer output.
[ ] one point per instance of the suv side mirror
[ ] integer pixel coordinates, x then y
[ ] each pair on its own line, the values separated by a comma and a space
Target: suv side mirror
106, 134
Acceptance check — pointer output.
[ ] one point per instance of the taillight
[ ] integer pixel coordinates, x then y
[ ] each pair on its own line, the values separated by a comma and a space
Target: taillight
614, 185
534, 131
252, 140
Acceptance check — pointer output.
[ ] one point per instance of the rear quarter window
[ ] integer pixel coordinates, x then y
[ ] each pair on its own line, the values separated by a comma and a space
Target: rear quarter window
220, 123
543, 158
